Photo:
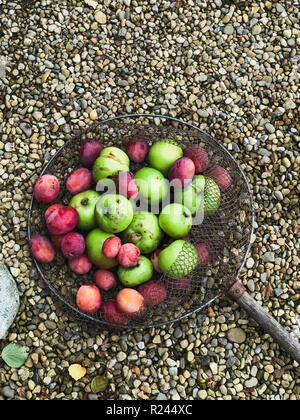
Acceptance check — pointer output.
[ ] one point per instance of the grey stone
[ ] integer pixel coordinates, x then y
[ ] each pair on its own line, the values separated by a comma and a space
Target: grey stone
9, 300
202, 113
228, 29
278, 291
289, 104
8, 392
278, 195
268, 257
161, 396
252, 382
270, 128
25, 127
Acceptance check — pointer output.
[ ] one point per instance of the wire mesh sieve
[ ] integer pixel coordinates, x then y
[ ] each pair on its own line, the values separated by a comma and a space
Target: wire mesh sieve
227, 232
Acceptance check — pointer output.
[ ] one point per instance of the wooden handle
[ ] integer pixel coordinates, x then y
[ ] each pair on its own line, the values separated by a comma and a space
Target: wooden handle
266, 321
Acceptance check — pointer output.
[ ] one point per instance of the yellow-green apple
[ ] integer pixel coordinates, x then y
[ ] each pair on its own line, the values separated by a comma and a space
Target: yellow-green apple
113, 213
85, 203
178, 259
111, 161
144, 231
94, 243
163, 154
175, 220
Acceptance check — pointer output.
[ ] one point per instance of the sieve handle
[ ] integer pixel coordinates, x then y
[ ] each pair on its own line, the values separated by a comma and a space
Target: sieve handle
238, 293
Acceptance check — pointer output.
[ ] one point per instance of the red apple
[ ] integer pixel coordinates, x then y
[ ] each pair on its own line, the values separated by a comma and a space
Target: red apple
153, 291
182, 170
204, 253
125, 184
88, 298
41, 248
105, 279
89, 152
80, 265
128, 255
62, 220
199, 156
220, 176
110, 312
51, 209
137, 149
72, 245
111, 247
79, 181
46, 188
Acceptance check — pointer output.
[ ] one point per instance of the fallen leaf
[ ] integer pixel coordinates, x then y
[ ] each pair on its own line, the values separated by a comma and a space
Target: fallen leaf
14, 355
77, 371
211, 383
99, 384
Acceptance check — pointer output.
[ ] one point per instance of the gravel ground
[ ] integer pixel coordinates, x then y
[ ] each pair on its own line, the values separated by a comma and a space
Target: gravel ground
229, 67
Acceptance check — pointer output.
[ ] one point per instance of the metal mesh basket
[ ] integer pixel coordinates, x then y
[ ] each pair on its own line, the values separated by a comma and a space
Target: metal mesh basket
228, 231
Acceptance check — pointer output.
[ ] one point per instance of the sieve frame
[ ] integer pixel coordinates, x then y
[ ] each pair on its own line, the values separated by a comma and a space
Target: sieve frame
100, 322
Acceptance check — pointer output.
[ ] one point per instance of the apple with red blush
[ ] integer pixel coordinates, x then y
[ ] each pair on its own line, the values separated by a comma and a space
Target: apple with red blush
128, 255
199, 156
105, 279
221, 176
80, 265
153, 291
137, 149
89, 152
72, 245
62, 220
126, 186
88, 298
41, 248
79, 181
111, 247
131, 302
46, 188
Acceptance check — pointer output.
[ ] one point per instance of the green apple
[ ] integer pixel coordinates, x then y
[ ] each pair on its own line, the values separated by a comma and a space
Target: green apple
175, 220
94, 242
133, 276
193, 195
113, 213
85, 203
151, 184
178, 260
144, 232
110, 162
163, 154
212, 197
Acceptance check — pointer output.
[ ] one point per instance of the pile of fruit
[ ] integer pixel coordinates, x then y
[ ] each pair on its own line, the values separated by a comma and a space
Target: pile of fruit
125, 249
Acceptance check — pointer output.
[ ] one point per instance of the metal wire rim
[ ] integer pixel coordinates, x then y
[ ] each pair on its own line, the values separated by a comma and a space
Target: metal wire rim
101, 322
